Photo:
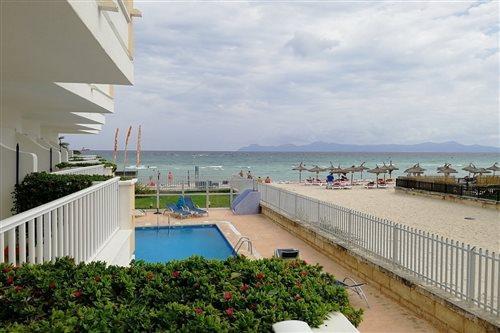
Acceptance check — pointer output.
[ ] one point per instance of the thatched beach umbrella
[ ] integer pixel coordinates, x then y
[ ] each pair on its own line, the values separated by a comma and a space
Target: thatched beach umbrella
480, 171
361, 168
377, 170
494, 168
301, 167
446, 170
471, 168
351, 170
317, 170
390, 168
337, 170
415, 170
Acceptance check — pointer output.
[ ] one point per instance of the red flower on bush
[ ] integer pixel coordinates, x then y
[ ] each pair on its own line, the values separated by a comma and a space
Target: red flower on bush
303, 273
198, 311
52, 285
244, 287
7, 269
230, 312
18, 288
10, 280
227, 295
97, 278
176, 274
77, 294
260, 276
298, 284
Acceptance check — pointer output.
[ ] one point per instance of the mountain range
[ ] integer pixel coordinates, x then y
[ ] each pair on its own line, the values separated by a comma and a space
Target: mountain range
425, 147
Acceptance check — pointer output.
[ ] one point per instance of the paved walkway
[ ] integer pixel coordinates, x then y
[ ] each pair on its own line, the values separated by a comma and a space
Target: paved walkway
384, 315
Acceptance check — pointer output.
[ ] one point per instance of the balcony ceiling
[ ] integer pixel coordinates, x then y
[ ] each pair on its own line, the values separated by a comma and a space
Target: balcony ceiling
49, 41
54, 98
65, 119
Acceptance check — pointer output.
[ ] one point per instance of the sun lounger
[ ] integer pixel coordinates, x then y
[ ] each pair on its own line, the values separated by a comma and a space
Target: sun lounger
354, 286
195, 209
179, 212
370, 185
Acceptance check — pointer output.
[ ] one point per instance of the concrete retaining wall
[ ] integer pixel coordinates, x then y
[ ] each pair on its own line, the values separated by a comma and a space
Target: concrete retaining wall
477, 202
427, 302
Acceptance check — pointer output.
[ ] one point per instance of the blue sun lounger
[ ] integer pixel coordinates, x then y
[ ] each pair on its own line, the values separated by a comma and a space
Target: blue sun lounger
178, 211
191, 206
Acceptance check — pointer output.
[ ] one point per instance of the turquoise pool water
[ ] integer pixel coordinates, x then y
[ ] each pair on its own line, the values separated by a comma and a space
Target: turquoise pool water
180, 242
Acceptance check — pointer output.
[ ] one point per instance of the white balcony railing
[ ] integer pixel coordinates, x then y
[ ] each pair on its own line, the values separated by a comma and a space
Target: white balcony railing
90, 170
78, 225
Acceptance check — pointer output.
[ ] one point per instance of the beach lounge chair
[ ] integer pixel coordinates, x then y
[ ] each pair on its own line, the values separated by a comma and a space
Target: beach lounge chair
337, 185
286, 253
177, 211
193, 208
354, 286
370, 185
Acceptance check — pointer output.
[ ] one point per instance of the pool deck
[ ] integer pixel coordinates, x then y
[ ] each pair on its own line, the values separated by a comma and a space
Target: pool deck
384, 314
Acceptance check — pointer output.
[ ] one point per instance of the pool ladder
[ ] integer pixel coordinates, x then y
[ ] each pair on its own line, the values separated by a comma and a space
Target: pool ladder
242, 241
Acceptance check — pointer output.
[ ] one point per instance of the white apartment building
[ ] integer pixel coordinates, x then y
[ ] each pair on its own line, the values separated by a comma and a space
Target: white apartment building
60, 60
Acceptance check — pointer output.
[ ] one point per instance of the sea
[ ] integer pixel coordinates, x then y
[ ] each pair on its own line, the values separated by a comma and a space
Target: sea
221, 165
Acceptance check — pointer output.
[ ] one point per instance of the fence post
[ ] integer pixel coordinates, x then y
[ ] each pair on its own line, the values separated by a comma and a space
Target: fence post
295, 195
319, 207
17, 164
395, 243
231, 193
349, 227
471, 274
207, 203
279, 200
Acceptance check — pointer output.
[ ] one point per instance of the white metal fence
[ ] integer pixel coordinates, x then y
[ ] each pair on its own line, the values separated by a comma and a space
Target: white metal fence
466, 272
77, 225
89, 170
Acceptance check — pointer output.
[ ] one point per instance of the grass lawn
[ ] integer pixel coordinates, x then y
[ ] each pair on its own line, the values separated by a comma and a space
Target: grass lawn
200, 200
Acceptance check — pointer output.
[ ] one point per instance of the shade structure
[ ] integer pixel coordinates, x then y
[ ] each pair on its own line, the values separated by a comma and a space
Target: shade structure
480, 171
390, 168
494, 168
337, 170
446, 169
352, 169
415, 170
377, 170
317, 170
301, 167
361, 168
471, 168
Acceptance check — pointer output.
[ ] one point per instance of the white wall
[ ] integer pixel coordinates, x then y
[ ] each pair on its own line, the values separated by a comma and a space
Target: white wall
26, 143
27, 164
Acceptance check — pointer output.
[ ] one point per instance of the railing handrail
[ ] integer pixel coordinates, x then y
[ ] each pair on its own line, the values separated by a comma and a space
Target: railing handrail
78, 169
15, 220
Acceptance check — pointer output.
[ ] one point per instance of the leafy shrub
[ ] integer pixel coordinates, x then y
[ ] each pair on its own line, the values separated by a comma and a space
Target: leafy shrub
77, 152
39, 188
108, 164
193, 295
64, 165
143, 189
76, 158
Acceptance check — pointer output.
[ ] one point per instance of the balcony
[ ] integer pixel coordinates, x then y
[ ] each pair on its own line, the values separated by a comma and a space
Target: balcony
57, 30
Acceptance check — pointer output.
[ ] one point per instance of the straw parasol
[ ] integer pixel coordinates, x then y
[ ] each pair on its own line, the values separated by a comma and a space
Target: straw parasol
301, 167
480, 171
337, 170
317, 170
494, 168
377, 170
471, 168
352, 169
361, 168
446, 169
390, 168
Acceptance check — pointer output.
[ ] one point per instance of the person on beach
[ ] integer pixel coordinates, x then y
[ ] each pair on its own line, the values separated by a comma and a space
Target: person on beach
241, 173
249, 175
329, 178
170, 178
268, 180
259, 179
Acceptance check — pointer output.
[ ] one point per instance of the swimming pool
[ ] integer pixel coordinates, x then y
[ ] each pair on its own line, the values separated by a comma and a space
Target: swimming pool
180, 242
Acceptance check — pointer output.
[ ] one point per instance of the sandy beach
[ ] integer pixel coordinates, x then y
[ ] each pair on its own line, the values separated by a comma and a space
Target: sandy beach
433, 215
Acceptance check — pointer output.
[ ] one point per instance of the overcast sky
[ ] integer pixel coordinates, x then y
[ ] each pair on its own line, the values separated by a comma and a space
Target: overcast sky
218, 76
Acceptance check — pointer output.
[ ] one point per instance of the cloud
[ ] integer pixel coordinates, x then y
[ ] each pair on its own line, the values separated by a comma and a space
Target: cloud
224, 75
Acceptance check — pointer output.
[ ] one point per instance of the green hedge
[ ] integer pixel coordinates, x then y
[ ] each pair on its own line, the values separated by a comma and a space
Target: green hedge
193, 295
64, 165
39, 188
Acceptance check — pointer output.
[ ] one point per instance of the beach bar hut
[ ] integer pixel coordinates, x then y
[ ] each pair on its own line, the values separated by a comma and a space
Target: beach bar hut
301, 167
415, 170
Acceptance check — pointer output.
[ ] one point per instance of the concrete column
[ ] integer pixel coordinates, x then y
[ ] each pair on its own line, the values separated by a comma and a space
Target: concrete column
127, 207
